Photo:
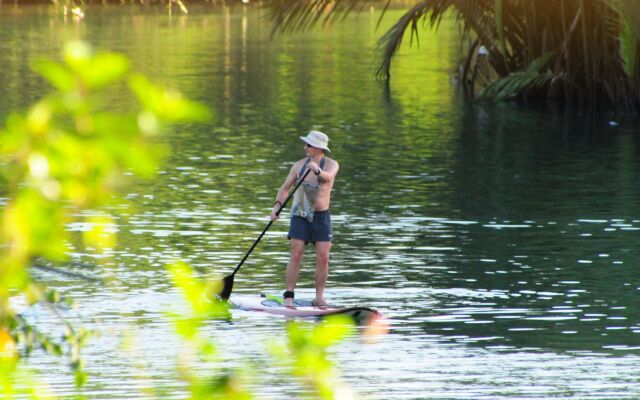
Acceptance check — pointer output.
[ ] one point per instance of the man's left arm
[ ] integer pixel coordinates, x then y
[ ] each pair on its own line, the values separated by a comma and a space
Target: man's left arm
329, 172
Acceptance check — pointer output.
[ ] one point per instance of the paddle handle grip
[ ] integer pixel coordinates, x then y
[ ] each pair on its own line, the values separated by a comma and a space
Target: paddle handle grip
271, 222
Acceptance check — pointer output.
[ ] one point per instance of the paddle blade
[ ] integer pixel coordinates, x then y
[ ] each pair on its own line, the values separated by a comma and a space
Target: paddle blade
227, 287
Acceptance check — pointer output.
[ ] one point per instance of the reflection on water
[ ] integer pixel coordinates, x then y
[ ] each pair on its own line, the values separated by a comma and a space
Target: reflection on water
500, 242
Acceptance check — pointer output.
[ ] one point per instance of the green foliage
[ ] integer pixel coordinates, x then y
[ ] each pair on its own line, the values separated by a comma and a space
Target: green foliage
30, 388
196, 294
593, 44
69, 153
629, 38
518, 82
199, 347
306, 355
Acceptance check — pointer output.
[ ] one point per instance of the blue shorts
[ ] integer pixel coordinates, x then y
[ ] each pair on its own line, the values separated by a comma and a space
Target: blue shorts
317, 231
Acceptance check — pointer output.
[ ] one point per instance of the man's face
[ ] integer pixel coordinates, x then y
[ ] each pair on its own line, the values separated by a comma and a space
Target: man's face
310, 151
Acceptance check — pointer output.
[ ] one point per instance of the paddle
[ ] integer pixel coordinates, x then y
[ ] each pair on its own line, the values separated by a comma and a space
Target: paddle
228, 280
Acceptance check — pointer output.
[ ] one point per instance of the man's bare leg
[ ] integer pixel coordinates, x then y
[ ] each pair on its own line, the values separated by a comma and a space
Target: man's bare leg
293, 268
322, 270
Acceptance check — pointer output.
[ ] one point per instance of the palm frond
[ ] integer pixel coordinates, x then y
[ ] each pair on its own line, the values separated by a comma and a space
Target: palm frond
292, 15
629, 36
391, 41
479, 20
518, 83
384, 11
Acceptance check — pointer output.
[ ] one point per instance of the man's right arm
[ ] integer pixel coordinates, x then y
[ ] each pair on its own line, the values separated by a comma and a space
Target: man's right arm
284, 191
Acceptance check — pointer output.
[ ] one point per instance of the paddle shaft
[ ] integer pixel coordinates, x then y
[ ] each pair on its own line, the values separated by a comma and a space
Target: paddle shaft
271, 222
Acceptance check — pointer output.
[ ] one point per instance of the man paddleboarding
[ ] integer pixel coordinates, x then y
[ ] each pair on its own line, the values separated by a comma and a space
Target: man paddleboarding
310, 217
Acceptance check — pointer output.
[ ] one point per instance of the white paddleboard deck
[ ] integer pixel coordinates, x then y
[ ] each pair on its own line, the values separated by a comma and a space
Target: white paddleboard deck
301, 308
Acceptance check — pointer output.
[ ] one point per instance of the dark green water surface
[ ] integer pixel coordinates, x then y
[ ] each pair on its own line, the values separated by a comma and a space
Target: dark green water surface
501, 242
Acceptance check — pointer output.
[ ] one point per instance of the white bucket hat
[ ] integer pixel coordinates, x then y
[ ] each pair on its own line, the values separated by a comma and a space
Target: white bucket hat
316, 139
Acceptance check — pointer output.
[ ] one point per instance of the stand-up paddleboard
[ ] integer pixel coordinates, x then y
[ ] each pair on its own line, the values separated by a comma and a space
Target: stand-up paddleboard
302, 308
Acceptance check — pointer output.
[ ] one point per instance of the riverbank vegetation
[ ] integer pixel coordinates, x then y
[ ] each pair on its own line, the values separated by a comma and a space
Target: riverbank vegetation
583, 52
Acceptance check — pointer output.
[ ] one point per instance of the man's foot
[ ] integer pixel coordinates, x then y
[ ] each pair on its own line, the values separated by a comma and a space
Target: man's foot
288, 302
319, 303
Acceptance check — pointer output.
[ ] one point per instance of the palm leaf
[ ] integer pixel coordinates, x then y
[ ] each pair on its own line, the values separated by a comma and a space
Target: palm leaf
518, 83
629, 15
391, 41
292, 15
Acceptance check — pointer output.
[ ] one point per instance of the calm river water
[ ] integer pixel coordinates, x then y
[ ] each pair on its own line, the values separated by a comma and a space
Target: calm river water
501, 242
